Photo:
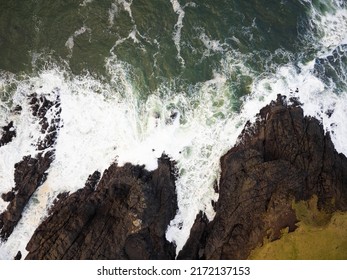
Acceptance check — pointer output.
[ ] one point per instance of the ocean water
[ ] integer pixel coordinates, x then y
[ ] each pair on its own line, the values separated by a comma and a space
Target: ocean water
139, 78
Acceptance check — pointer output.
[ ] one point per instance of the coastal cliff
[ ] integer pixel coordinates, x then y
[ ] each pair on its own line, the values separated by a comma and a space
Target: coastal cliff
283, 174
281, 159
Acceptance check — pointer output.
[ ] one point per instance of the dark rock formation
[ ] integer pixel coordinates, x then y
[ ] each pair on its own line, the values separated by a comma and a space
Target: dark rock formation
8, 132
40, 106
30, 173
124, 216
283, 157
8, 197
195, 247
18, 256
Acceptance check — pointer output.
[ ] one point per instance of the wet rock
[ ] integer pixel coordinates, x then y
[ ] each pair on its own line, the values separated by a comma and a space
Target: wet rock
8, 133
30, 173
40, 107
18, 256
122, 216
194, 249
17, 109
8, 196
281, 158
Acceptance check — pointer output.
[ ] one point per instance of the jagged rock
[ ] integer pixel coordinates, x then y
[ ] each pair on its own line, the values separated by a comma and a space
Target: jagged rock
194, 249
30, 173
18, 256
40, 106
8, 132
123, 216
8, 196
283, 157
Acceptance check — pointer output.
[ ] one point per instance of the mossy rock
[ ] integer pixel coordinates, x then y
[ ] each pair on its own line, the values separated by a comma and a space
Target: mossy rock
319, 236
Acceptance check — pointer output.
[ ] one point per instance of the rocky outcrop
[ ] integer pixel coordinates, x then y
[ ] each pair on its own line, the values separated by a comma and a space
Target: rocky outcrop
8, 132
30, 173
283, 157
41, 107
280, 159
122, 216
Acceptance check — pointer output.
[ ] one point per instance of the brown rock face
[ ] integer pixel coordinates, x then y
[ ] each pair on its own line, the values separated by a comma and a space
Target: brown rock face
124, 217
283, 157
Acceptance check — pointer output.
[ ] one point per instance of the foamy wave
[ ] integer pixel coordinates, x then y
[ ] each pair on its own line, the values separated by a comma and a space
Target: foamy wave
211, 45
329, 25
319, 100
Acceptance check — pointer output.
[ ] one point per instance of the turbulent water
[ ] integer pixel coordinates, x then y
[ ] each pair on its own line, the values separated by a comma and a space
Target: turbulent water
138, 78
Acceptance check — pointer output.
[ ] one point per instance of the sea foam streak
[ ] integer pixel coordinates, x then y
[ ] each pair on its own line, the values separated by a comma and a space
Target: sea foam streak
107, 122
70, 41
179, 10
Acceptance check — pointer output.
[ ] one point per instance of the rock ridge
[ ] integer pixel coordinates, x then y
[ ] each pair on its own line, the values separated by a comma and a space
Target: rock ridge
122, 216
281, 158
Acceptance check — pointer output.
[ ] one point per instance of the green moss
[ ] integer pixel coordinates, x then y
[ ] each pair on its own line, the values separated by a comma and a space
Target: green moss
308, 213
319, 236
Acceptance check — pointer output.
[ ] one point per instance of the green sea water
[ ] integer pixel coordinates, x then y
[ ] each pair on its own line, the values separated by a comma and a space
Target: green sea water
262, 33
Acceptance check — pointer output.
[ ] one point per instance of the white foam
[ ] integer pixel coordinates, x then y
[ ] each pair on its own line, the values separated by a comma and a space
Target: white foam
112, 12
127, 7
178, 28
27, 136
70, 43
317, 98
134, 33
114, 9
335, 28
212, 46
86, 2
330, 27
